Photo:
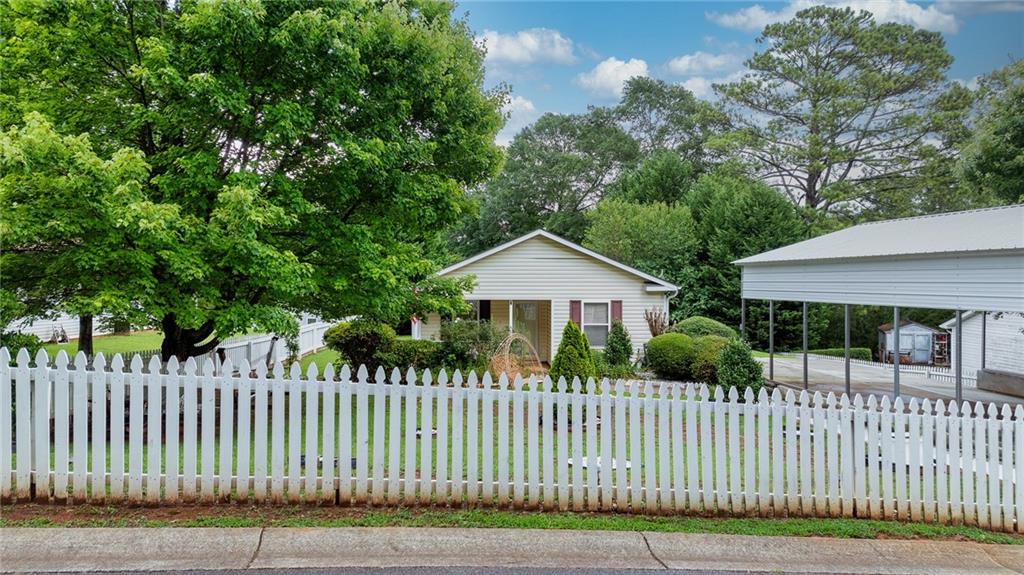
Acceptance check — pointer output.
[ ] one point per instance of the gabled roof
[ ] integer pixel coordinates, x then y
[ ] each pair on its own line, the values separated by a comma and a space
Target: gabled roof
572, 246
984, 230
886, 327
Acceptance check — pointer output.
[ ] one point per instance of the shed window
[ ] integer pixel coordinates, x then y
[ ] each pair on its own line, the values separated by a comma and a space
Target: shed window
596, 322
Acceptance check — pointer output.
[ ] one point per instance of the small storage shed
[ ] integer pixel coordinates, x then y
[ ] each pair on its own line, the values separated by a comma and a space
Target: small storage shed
917, 342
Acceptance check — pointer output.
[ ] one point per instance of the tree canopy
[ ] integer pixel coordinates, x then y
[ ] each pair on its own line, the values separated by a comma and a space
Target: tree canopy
993, 158
837, 108
303, 156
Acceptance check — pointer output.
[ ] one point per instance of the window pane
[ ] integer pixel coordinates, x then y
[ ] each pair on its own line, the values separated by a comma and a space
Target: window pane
597, 335
595, 313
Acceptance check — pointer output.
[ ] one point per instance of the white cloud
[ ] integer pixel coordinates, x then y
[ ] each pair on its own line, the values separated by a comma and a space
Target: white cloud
529, 47
610, 75
701, 62
521, 113
701, 86
755, 18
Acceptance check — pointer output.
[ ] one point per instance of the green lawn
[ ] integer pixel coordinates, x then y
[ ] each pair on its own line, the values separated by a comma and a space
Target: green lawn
111, 344
293, 516
322, 359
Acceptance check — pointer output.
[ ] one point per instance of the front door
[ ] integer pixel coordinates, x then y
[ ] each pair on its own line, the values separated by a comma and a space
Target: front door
526, 321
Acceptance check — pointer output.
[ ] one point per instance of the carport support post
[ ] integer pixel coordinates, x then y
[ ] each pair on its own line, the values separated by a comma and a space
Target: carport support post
984, 317
743, 318
959, 355
895, 352
846, 344
771, 340
805, 345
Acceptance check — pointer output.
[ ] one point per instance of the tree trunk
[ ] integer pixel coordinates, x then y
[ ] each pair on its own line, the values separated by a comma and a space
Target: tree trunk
85, 334
184, 343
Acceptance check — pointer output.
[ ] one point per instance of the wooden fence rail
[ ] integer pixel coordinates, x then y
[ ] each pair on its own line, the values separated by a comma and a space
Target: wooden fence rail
104, 433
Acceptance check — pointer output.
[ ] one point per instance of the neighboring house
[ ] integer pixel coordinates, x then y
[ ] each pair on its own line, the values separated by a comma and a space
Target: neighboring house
45, 329
1004, 342
539, 282
918, 342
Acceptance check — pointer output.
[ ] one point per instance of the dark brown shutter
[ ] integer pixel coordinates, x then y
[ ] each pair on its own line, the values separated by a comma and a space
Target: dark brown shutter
485, 309
576, 311
616, 310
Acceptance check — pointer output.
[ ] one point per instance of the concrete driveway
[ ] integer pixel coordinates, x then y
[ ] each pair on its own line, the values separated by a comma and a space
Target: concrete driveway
827, 375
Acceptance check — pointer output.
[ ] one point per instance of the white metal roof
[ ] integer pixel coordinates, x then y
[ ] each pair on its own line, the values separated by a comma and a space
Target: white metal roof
664, 285
984, 230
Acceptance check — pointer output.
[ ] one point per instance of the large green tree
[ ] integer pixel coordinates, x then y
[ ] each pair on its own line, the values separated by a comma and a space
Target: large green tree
736, 217
656, 238
72, 227
993, 159
662, 116
303, 154
556, 170
837, 109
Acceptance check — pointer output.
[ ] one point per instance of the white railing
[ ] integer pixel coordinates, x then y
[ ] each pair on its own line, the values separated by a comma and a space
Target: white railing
930, 371
424, 439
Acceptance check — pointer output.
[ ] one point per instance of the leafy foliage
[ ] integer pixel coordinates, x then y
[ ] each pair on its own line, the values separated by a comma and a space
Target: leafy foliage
698, 326
14, 341
468, 344
406, 353
573, 358
993, 160
862, 353
618, 350
605, 369
706, 355
655, 238
303, 157
827, 103
738, 368
555, 171
670, 355
361, 342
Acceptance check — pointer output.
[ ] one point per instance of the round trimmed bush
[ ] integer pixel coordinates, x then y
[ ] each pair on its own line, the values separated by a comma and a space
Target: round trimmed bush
698, 326
707, 351
670, 355
359, 342
14, 341
738, 368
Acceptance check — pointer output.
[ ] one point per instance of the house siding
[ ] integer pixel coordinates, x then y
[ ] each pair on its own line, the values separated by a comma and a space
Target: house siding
1004, 343
541, 269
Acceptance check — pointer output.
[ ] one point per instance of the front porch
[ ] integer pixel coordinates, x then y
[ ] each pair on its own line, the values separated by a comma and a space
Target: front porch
531, 318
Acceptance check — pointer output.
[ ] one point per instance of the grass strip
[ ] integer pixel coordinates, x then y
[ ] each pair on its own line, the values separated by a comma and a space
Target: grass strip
237, 516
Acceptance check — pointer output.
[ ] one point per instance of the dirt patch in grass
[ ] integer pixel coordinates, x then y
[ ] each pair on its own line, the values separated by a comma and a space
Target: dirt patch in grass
33, 515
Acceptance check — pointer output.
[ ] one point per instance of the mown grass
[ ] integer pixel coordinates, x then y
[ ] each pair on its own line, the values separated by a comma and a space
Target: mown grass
477, 518
111, 344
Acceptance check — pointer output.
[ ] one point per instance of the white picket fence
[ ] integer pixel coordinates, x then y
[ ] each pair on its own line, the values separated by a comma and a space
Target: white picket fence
192, 434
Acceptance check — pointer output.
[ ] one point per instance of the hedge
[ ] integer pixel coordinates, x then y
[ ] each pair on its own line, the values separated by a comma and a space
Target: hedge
706, 354
669, 355
697, 326
855, 352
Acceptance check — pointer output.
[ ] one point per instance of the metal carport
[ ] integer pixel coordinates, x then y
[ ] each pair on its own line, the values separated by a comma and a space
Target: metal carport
960, 261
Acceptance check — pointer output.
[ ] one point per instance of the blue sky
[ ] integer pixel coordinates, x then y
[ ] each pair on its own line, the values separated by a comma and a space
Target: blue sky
565, 56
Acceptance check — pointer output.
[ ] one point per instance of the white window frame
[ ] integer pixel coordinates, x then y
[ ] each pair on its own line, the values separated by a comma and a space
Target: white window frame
583, 318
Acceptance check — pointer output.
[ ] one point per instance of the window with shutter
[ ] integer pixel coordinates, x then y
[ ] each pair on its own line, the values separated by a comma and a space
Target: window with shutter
596, 322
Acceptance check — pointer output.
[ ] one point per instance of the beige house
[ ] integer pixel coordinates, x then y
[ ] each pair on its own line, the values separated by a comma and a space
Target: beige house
538, 282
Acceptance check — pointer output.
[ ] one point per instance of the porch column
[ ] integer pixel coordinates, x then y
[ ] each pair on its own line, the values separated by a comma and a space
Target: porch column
895, 352
771, 340
846, 343
805, 345
984, 320
959, 356
510, 322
